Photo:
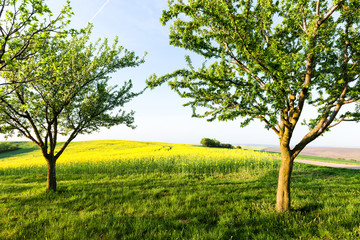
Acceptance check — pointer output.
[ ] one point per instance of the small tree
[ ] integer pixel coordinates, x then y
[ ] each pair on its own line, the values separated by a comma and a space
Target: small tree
207, 142
68, 94
268, 60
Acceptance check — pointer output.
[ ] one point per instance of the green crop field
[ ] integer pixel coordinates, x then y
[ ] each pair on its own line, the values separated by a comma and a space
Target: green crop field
146, 190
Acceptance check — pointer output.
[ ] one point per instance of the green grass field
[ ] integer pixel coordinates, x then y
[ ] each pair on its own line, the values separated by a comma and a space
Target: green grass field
331, 160
144, 190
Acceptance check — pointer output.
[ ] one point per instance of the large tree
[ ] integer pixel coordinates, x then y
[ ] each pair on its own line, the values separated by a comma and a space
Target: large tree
26, 24
65, 91
269, 60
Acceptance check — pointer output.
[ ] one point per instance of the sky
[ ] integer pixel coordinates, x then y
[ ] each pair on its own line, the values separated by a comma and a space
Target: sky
159, 114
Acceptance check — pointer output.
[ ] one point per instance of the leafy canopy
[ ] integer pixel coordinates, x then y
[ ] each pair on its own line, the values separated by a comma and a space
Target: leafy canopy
69, 92
265, 59
25, 25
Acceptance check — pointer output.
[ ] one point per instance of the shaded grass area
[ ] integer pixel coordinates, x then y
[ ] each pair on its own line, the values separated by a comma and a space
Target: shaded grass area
103, 202
13, 148
7, 147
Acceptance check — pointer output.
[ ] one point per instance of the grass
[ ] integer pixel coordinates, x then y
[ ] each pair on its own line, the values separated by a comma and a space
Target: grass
6, 147
331, 160
323, 159
306, 157
157, 196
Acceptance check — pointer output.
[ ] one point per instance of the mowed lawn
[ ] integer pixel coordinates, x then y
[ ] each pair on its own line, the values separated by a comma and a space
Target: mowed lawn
145, 190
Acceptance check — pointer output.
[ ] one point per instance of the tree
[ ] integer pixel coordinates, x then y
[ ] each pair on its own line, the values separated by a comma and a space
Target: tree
68, 94
208, 142
269, 60
26, 24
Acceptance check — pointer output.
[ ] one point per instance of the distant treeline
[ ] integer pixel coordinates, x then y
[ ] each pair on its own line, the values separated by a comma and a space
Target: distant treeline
208, 142
5, 147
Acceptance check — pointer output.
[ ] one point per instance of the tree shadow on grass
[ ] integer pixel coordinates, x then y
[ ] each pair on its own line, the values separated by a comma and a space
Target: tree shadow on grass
308, 208
17, 152
14, 190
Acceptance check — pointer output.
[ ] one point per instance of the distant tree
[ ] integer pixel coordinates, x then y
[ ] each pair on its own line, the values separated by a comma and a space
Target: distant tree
24, 26
268, 60
68, 94
208, 142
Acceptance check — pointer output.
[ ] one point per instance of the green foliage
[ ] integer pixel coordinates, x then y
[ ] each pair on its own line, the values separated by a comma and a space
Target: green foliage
207, 142
5, 147
266, 59
25, 26
65, 91
226, 145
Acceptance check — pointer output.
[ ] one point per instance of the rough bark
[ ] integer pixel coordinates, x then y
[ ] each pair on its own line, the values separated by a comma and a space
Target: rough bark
283, 191
51, 175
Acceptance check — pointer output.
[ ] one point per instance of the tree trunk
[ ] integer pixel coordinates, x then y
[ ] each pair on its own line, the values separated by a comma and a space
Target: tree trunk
283, 191
51, 176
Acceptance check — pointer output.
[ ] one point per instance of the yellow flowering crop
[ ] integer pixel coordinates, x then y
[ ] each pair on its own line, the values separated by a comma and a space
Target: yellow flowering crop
134, 151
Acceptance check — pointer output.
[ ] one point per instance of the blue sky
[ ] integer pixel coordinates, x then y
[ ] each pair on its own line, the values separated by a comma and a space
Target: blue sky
159, 113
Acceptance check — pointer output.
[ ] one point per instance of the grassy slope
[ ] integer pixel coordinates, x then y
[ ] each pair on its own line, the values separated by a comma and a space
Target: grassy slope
101, 201
323, 159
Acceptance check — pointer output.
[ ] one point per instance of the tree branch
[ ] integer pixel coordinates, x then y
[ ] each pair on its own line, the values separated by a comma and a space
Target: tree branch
330, 12
240, 64
317, 8
262, 118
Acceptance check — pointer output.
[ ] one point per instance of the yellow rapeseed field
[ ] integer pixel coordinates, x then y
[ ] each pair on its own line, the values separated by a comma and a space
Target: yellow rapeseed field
135, 151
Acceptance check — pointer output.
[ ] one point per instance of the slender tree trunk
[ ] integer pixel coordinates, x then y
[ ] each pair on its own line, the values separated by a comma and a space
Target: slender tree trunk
51, 175
283, 191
